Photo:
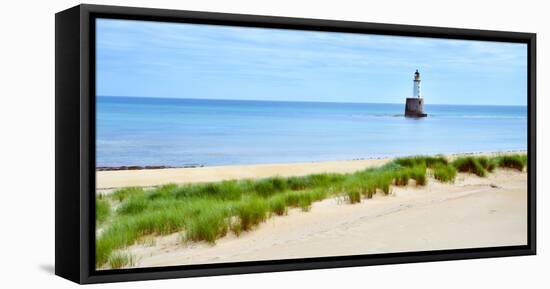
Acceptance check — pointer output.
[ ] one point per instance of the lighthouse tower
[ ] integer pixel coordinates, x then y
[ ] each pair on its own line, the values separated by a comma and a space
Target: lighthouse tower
414, 106
416, 87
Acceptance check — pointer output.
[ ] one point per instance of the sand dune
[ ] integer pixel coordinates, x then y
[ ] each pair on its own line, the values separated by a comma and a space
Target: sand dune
472, 212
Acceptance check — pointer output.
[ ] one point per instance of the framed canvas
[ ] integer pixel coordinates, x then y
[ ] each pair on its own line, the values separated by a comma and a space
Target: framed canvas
199, 143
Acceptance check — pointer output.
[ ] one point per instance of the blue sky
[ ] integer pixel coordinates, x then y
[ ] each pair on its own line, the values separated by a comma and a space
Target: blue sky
172, 60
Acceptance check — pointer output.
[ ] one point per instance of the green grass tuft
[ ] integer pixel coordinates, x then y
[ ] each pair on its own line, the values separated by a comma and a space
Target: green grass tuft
488, 164
418, 174
251, 212
402, 177
277, 205
162, 192
298, 183
269, 186
305, 201
122, 194
208, 226
236, 228
444, 173
120, 260
469, 165
427, 161
516, 162
384, 181
353, 196
133, 206
102, 209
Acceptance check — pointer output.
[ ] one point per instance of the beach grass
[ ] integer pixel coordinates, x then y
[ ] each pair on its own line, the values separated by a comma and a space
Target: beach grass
427, 161
208, 226
482, 165
119, 260
122, 194
470, 164
444, 173
517, 162
102, 209
278, 206
353, 196
208, 211
251, 212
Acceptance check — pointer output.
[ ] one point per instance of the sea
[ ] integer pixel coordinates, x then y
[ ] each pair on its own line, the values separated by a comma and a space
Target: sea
139, 131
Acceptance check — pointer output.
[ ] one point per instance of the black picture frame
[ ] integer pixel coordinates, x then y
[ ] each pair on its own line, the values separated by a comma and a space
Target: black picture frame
75, 147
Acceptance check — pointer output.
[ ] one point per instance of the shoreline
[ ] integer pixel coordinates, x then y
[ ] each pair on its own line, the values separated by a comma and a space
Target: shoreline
108, 180
198, 165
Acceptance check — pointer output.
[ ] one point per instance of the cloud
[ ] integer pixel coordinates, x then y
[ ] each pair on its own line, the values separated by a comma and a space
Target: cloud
237, 55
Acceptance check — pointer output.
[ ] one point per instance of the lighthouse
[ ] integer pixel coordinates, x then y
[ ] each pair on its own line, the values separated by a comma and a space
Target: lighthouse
416, 87
414, 106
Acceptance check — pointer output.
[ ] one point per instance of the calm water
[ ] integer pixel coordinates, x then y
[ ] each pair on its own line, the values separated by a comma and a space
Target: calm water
182, 132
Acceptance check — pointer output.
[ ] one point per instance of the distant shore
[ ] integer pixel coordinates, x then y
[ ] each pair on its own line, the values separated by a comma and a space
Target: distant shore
109, 178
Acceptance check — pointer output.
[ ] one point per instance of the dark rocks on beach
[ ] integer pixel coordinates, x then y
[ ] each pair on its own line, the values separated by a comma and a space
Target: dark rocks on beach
133, 168
124, 168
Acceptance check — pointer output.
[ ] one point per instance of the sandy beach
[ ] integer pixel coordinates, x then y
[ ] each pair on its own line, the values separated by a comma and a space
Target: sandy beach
107, 180
470, 213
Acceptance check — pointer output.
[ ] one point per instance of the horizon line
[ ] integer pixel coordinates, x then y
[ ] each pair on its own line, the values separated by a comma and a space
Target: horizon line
303, 101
